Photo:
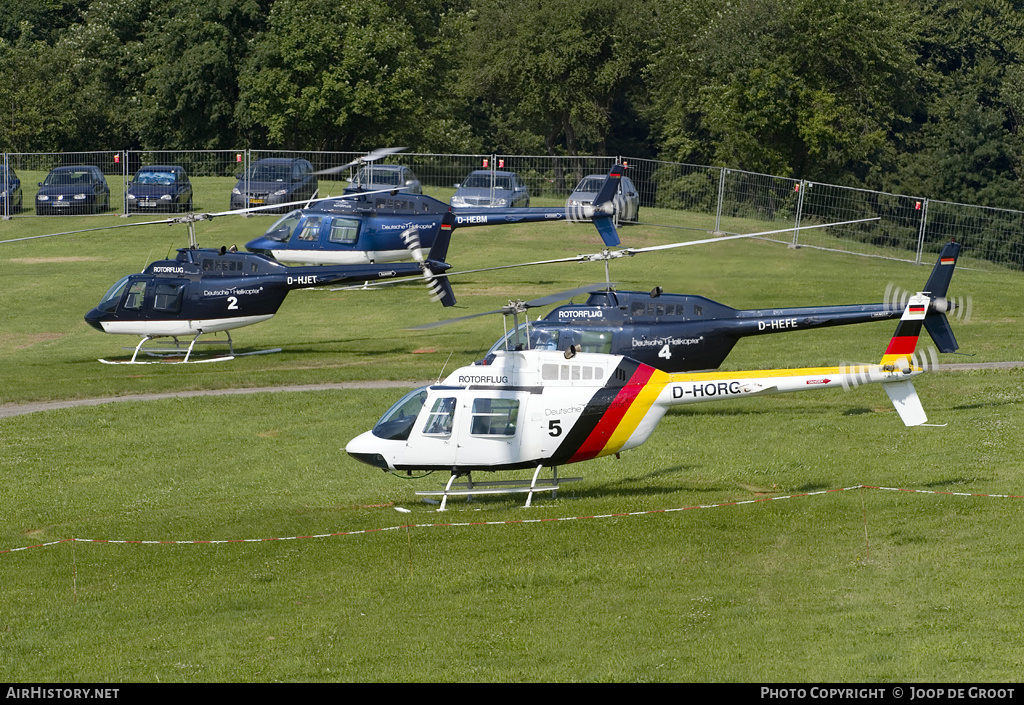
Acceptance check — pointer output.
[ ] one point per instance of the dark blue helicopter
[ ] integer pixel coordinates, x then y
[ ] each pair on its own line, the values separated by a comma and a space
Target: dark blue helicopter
685, 333
206, 290
366, 227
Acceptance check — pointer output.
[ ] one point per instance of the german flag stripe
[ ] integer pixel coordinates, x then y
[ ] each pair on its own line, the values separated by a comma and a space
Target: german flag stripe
947, 260
903, 345
625, 398
604, 430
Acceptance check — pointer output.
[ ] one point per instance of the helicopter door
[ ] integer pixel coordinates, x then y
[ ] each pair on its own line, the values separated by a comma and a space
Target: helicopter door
432, 436
489, 431
307, 234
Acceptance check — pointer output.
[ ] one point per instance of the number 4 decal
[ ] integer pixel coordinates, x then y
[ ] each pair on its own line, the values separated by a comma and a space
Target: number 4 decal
665, 352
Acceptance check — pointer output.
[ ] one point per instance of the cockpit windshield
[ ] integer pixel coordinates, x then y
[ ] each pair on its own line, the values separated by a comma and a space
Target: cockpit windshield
282, 229
397, 422
515, 339
110, 299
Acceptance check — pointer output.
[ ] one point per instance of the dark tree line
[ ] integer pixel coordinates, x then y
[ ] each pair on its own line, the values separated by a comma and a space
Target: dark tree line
919, 97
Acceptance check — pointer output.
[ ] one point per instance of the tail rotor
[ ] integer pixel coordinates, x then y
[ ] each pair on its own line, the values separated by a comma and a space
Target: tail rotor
438, 291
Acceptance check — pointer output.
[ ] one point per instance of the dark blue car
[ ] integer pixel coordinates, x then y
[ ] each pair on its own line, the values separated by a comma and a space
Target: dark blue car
73, 189
10, 191
159, 189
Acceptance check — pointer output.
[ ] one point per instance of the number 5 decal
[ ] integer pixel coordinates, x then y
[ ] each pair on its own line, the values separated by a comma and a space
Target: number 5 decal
555, 428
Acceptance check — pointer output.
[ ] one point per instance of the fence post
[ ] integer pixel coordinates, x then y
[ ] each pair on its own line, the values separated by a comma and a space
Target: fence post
124, 182
721, 198
801, 189
8, 209
921, 230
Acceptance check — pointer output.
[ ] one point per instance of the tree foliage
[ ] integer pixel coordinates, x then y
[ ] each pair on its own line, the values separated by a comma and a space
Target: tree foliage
924, 98
809, 88
553, 71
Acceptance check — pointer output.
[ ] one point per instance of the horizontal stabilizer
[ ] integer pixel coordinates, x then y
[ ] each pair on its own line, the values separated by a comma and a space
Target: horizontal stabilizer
908, 406
606, 228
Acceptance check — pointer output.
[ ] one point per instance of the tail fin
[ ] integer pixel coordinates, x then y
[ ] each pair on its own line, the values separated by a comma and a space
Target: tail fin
908, 330
440, 285
936, 322
439, 250
900, 353
604, 207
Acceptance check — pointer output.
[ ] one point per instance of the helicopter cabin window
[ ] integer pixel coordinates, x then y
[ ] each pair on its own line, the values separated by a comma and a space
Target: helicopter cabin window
344, 230
310, 229
439, 420
494, 417
167, 296
571, 372
221, 265
597, 341
136, 296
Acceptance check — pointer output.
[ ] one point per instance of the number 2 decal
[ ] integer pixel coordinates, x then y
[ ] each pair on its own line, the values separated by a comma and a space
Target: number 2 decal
232, 303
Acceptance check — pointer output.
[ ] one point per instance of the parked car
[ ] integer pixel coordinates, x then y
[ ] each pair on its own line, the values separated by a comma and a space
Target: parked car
627, 199
381, 177
73, 189
491, 189
274, 180
159, 188
10, 191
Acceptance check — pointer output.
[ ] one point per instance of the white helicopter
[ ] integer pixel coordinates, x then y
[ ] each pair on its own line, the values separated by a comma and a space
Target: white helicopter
543, 408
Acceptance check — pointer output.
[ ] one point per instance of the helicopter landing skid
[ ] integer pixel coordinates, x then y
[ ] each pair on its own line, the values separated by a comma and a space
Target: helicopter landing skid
168, 354
469, 488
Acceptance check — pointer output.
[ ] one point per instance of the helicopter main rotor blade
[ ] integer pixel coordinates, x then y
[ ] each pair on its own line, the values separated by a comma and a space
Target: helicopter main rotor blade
630, 251
371, 157
196, 217
519, 306
654, 248
568, 294
167, 221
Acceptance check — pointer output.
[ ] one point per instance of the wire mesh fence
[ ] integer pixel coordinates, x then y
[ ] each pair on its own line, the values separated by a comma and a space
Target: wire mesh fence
685, 196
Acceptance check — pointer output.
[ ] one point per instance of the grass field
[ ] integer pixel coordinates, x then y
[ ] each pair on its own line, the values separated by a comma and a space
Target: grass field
796, 568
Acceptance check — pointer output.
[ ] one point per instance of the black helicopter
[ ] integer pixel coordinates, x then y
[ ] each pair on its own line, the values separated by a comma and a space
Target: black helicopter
684, 332
365, 226
206, 290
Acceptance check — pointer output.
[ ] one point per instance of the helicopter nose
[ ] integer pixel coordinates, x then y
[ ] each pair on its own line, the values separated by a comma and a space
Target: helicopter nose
363, 448
93, 318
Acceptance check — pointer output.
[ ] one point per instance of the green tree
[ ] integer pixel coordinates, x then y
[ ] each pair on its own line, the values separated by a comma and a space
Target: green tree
550, 74
34, 115
807, 88
966, 143
329, 75
44, 20
192, 54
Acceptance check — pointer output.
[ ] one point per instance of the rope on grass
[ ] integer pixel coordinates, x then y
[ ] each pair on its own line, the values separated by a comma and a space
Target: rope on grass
509, 522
